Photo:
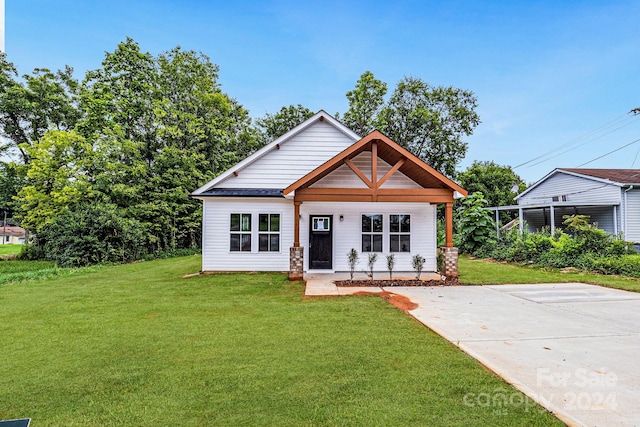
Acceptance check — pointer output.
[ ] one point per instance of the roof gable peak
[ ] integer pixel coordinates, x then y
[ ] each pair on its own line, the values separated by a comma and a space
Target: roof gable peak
320, 116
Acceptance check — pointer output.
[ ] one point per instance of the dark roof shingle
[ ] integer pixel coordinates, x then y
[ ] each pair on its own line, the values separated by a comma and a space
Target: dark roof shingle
622, 176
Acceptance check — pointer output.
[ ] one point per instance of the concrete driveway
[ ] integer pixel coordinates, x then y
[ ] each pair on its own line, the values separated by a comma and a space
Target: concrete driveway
574, 348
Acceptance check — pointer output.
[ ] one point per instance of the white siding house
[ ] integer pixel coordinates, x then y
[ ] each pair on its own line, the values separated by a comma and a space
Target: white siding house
303, 201
611, 197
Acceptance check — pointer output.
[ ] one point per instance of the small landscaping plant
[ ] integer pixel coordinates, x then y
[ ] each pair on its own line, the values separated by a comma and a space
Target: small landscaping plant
418, 264
353, 258
391, 262
373, 257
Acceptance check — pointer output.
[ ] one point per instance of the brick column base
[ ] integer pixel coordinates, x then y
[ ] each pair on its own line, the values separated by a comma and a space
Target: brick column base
450, 264
296, 263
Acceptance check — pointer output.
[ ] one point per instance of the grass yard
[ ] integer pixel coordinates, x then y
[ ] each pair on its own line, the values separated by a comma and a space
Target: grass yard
13, 271
10, 248
138, 345
485, 272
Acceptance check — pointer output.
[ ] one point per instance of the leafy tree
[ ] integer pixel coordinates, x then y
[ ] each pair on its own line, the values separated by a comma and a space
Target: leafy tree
431, 122
11, 181
272, 126
160, 126
42, 101
494, 181
474, 226
365, 103
57, 179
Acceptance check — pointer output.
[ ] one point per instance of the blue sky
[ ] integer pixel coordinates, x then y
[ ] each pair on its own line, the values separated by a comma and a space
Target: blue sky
545, 72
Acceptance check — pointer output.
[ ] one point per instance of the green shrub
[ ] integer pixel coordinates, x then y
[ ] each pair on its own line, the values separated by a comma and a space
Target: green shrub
32, 251
474, 226
627, 265
583, 246
92, 234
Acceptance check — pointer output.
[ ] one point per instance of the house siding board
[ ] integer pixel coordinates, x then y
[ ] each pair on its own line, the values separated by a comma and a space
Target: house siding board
347, 234
576, 189
633, 216
296, 157
216, 255
344, 177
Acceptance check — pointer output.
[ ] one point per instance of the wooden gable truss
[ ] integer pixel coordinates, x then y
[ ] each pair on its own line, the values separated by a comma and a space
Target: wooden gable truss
436, 188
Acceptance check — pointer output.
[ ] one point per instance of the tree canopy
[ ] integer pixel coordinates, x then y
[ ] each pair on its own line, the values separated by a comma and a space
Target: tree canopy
131, 139
272, 126
494, 181
429, 121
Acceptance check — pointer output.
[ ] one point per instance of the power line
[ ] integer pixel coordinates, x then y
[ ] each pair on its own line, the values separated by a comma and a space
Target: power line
609, 127
580, 145
610, 152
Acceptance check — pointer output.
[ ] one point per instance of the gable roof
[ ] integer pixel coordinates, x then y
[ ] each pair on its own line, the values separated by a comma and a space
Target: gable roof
617, 177
321, 115
390, 152
12, 230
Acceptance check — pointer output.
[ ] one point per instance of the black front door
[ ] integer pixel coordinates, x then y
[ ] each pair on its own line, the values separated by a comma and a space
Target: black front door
320, 242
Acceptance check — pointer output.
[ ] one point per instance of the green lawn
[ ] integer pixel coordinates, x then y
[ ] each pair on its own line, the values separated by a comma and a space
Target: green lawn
485, 272
139, 345
10, 248
12, 271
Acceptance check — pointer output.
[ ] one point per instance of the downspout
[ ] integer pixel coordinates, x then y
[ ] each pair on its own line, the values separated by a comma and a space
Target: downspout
626, 211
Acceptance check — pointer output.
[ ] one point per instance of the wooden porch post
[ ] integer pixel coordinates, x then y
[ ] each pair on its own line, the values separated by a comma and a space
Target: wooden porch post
296, 253
448, 214
296, 224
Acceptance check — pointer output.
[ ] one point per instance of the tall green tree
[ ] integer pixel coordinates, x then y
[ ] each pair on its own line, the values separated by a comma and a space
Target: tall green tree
12, 179
272, 126
160, 127
56, 178
494, 181
39, 102
365, 102
431, 122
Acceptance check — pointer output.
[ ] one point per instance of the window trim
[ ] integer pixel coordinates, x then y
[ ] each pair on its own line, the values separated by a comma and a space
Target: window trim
269, 232
400, 233
241, 232
372, 233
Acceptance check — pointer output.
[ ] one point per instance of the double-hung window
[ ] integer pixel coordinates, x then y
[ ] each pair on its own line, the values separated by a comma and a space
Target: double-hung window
240, 228
269, 232
372, 233
399, 233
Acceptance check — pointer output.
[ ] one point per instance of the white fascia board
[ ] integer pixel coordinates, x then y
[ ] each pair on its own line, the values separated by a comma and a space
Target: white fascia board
272, 145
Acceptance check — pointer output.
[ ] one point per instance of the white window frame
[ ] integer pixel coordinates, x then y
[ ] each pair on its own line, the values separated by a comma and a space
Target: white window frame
372, 233
400, 233
270, 232
241, 232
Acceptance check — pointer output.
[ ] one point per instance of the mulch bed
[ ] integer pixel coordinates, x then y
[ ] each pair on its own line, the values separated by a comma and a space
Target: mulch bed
451, 281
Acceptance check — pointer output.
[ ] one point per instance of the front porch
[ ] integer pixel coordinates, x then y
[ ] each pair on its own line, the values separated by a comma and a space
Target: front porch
382, 179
